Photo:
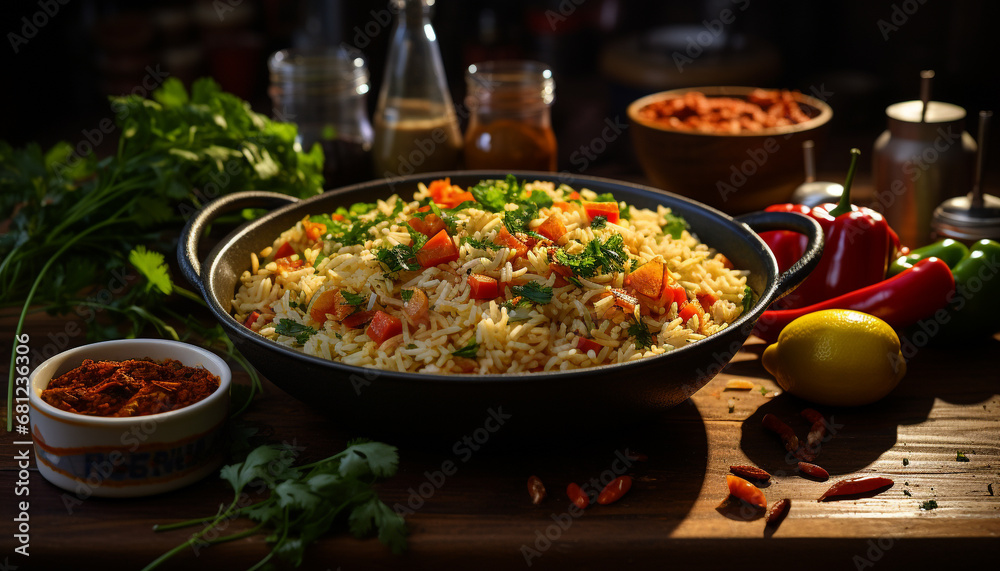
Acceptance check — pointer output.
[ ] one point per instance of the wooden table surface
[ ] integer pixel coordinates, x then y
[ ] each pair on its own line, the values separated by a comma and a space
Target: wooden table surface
481, 515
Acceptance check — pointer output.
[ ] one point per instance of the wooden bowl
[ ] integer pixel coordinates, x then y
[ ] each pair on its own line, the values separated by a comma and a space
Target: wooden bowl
735, 173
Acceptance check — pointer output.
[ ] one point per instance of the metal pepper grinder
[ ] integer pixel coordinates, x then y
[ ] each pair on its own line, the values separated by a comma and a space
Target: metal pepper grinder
975, 216
924, 157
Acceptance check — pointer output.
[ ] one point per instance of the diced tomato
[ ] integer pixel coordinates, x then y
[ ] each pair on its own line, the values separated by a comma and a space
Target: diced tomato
672, 291
707, 300
690, 310
429, 226
440, 249
383, 327
284, 251
314, 230
417, 308
251, 319
337, 217
331, 302
358, 318
483, 287
552, 228
648, 279
586, 345
608, 210
287, 264
447, 195
574, 195
505, 239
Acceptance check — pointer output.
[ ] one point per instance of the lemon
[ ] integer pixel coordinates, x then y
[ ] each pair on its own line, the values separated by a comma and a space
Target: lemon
837, 357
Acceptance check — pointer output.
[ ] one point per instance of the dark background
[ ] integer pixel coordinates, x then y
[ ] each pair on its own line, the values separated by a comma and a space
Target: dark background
863, 54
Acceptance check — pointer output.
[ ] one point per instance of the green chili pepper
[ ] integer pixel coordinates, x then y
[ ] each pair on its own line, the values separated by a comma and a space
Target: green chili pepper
951, 251
975, 307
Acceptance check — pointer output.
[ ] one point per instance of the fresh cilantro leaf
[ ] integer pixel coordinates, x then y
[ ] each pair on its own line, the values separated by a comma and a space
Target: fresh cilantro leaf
748, 299
353, 299
675, 225
406, 294
417, 239
517, 220
292, 328
609, 256
153, 266
470, 351
599, 222
411, 346
540, 199
396, 259
491, 195
295, 494
480, 244
929, 505
534, 292
259, 464
605, 197
363, 457
644, 339
374, 514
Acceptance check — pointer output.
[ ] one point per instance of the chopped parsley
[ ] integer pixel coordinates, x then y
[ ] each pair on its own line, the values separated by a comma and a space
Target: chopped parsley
469, 351
417, 239
605, 197
533, 292
763, 391
929, 505
406, 294
411, 346
293, 304
675, 225
354, 299
609, 256
748, 299
396, 259
961, 457
480, 244
599, 222
291, 328
494, 195
643, 337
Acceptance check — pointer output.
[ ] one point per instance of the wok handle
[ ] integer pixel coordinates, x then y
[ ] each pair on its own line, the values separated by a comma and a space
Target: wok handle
187, 246
764, 221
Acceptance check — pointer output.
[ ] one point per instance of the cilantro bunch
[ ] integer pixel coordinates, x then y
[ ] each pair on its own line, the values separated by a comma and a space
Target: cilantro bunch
74, 221
303, 503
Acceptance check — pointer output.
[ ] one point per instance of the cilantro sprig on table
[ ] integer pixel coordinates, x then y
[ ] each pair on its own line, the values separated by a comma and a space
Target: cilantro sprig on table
73, 221
303, 503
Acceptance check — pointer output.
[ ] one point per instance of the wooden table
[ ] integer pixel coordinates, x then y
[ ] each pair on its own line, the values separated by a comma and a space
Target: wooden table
481, 515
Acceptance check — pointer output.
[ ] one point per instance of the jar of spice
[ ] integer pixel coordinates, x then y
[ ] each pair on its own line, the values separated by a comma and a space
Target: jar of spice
510, 126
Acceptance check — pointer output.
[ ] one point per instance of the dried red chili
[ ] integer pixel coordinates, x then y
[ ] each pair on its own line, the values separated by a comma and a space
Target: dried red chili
135, 387
853, 486
813, 471
817, 432
751, 472
577, 495
746, 491
778, 512
777, 426
614, 490
536, 490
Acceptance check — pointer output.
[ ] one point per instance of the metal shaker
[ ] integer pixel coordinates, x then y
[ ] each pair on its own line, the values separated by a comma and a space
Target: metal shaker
922, 158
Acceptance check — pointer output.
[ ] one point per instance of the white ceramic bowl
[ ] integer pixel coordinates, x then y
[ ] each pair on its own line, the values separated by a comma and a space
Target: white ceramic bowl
133, 456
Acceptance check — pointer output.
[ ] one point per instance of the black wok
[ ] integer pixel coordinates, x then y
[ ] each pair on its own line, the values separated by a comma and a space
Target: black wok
377, 402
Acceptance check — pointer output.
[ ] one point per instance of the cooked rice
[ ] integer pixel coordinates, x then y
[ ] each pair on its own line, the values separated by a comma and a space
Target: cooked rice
546, 337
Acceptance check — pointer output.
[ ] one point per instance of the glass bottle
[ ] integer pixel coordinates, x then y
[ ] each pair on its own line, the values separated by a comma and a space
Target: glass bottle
510, 125
416, 128
324, 90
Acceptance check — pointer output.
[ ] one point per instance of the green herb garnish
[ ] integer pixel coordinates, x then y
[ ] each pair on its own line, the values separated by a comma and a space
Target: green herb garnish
411, 346
291, 328
961, 457
644, 339
354, 299
480, 244
609, 256
303, 503
675, 225
748, 299
599, 222
406, 294
396, 259
534, 292
605, 197
469, 351
929, 505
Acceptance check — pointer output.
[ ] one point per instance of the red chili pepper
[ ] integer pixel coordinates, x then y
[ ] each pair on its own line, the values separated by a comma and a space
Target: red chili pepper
750, 472
577, 495
614, 490
853, 486
536, 490
817, 432
746, 491
777, 426
778, 512
813, 470
859, 246
900, 301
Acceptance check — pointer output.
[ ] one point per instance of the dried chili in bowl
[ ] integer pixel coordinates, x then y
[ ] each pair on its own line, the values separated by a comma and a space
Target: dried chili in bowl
134, 387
